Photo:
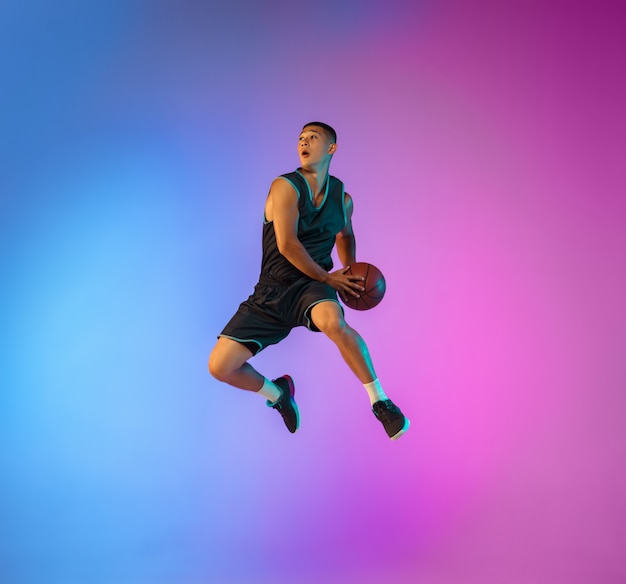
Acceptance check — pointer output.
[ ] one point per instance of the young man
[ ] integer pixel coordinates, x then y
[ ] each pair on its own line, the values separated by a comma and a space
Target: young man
307, 213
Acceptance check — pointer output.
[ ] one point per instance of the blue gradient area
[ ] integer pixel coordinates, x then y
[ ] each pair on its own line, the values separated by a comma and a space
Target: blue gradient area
137, 143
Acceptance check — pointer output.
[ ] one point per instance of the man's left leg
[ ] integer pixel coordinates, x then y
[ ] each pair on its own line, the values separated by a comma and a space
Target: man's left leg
328, 318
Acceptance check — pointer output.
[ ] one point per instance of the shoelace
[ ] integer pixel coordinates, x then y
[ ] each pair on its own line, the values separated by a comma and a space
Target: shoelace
385, 412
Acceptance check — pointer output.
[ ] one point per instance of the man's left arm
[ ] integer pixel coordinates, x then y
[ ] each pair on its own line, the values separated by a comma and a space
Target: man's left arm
345, 240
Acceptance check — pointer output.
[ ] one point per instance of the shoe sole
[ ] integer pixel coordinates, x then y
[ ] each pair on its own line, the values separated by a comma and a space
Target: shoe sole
407, 423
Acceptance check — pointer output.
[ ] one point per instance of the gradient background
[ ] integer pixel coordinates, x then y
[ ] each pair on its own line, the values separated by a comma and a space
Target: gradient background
483, 143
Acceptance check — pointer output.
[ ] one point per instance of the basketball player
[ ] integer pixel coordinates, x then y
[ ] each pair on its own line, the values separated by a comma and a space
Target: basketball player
307, 213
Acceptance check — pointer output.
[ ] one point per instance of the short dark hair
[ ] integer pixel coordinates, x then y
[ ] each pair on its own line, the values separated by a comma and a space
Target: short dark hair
330, 132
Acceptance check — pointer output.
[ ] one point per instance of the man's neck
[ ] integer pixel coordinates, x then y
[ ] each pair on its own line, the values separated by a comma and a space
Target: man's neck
316, 177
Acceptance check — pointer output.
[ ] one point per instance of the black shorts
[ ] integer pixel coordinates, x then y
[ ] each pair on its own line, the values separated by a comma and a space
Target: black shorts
272, 310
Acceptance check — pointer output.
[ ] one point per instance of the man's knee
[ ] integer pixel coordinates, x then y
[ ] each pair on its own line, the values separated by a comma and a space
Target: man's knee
328, 318
226, 358
217, 365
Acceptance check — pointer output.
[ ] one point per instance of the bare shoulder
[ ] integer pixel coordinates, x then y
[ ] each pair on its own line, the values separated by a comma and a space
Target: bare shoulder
283, 185
282, 195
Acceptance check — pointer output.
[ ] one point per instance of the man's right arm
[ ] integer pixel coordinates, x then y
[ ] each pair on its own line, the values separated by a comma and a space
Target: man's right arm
282, 209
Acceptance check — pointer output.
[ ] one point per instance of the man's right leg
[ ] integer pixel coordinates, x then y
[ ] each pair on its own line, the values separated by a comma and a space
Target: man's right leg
228, 362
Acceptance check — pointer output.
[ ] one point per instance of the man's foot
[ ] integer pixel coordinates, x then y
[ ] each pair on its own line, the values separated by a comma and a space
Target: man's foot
286, 405
392, 418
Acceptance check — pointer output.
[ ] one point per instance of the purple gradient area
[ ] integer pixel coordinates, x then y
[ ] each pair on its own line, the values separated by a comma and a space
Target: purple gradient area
483, 144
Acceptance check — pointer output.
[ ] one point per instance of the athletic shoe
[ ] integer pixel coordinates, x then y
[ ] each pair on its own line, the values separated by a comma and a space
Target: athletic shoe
392, 418
286, 405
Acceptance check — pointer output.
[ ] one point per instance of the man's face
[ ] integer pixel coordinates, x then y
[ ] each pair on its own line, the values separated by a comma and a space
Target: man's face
314, 146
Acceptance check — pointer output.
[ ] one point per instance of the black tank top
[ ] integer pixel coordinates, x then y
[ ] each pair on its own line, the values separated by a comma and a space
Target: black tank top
317, 229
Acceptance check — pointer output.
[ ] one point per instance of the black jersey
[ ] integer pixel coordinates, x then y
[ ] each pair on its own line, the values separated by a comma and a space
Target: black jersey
317, 229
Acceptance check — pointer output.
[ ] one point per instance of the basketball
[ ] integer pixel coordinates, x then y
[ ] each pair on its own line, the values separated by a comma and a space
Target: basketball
374, 285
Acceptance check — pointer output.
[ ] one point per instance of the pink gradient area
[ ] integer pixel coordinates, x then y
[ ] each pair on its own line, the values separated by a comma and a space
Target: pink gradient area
482, 143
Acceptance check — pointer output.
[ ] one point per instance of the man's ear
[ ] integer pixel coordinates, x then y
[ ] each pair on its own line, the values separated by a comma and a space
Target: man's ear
332, 149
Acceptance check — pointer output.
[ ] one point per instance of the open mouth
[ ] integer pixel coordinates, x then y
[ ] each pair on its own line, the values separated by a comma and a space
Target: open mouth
304, 152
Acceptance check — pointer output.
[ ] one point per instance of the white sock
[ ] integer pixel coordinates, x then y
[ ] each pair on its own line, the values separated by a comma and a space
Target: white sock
270, 391
375, 391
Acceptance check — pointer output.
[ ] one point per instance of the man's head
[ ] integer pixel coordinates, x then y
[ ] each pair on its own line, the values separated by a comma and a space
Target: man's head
328, 130
317, 144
